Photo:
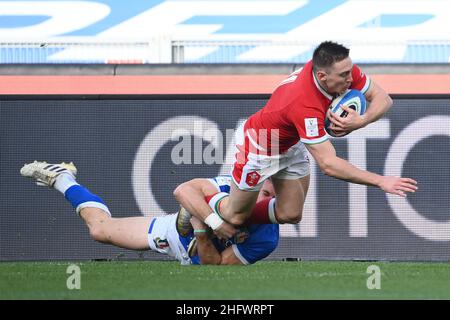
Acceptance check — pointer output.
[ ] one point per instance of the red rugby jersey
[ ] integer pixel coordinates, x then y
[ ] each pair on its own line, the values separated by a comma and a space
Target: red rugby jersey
297, 109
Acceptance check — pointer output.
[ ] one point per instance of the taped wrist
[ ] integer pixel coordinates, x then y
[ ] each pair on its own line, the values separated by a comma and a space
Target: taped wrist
214, 221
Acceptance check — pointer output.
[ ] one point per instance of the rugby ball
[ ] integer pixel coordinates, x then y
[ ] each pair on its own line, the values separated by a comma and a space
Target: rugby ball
352, 99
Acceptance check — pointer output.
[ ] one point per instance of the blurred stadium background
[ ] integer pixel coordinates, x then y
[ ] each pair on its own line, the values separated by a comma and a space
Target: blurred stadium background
106, 83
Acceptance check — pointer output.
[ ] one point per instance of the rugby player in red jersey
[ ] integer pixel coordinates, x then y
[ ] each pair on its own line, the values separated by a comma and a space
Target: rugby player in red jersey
274, 142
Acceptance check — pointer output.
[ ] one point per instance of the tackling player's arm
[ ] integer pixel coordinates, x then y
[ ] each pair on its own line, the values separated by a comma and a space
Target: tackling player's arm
207, 251
331, 165
191, 195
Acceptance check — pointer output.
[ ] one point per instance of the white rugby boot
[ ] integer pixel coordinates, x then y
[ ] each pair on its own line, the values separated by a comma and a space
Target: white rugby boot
45, 174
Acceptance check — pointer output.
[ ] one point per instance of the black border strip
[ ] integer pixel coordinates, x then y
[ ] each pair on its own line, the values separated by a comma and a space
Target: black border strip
5, 97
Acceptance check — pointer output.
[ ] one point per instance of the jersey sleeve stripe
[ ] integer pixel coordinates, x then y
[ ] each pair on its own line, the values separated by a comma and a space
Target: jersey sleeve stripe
366, 86
314, 141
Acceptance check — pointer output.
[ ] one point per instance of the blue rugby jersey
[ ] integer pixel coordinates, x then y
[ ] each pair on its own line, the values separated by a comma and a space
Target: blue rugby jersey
251, 244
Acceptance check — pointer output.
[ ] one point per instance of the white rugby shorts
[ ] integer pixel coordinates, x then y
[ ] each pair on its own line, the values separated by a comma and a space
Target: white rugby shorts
164, 238
250, 170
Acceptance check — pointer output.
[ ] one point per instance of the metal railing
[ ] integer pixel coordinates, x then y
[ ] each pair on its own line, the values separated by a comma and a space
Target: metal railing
63, 51
189, 51
166, 50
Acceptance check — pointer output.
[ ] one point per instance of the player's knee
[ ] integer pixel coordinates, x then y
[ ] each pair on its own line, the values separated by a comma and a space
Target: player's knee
289, 216
293, 219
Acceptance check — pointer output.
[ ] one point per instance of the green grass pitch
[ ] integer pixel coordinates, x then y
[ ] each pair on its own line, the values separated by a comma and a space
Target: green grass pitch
266, 280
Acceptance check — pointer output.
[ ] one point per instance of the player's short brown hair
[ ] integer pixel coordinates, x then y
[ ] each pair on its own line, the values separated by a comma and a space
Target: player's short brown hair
327, 53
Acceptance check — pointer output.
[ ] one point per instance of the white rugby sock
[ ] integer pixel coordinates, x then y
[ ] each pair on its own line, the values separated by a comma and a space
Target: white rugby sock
272, 216
63, 182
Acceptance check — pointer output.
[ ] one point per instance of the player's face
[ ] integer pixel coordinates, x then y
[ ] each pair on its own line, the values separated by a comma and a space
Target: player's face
267, 191
338, 78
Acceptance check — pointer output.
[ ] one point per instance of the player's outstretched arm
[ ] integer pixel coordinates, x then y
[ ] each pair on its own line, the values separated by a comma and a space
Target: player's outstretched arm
191, 195
331, 165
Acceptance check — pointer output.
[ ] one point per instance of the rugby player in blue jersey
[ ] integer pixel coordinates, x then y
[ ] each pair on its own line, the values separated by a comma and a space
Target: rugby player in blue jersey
196, 245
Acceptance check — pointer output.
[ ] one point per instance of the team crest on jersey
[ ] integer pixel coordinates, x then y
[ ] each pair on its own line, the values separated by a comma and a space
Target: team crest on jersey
241, 236
161, 243
252, 178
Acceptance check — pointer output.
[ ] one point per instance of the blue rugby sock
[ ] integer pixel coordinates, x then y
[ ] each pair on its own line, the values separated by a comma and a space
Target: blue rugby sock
80, 197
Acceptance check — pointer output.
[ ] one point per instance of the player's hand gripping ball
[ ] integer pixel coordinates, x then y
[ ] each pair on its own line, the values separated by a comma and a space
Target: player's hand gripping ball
352, 99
